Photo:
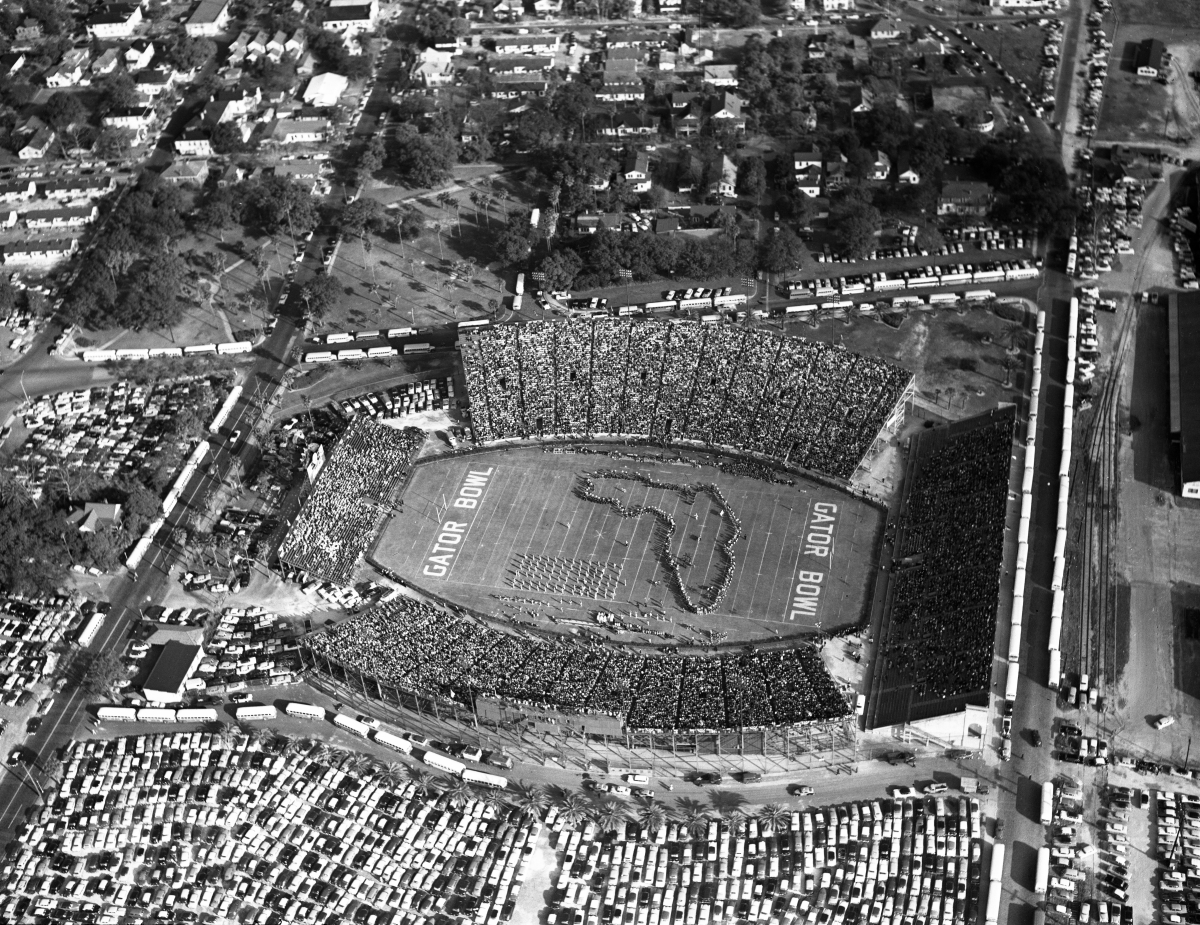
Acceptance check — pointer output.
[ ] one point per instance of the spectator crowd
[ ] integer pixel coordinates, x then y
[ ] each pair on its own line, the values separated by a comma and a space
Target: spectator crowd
948, 547
349, 501
812, 404
415, 647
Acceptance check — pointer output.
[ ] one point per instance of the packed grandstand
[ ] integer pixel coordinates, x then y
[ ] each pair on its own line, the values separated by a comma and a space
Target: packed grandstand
414, 646
948, 546
343, 513
811, 404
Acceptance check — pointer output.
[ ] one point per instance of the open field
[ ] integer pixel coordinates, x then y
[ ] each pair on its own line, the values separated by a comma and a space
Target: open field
1016, 48
1178, 14
529, 514
1140, 109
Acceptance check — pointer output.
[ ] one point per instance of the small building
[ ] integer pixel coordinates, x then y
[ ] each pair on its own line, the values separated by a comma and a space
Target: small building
347, 19
636, 171
433, 68
11, 62
835, 6
37, 145
721, 75
194, 141
885, 30
60, 217
300, 131
727, 112
209, 18
92, 517
114, 21
174, 665
1150, 58
26, 252
882, 167
139, 54
905, 173
324, 90
808, 181
186, 171
107, 62
526, 44
77, 187
964, 197
17, 190
727, 183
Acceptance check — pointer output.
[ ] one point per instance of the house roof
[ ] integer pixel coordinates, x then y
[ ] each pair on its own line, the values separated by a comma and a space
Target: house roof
172, 668
965, 190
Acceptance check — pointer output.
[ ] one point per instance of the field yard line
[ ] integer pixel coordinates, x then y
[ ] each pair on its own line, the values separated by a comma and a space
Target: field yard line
761, 560
505, 551
712, 552
799, 549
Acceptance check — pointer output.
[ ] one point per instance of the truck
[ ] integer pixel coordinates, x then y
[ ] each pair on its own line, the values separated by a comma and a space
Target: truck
972, 785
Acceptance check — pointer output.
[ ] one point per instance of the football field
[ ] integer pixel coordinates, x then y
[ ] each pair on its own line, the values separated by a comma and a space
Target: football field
507, 532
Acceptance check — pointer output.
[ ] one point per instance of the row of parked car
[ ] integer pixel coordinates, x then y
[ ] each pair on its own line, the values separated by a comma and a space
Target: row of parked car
1097, 74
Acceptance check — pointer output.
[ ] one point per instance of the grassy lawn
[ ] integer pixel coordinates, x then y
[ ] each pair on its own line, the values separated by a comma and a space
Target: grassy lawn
1017, 49
1181, 14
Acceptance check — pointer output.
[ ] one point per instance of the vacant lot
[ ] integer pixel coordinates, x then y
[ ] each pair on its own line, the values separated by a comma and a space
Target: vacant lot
529, 514
1016, 47
1140, 109
1178, 14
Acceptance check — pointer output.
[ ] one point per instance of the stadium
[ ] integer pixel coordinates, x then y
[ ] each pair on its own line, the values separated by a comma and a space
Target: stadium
656, 523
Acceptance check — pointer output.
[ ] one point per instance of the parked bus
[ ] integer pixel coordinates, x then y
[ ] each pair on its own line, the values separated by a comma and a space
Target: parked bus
338, 338
351, 725
304, 710
979, 295
1042, 878
90, 629
400, 332
318, 356
943, 298
417, 348
442, 763
474, 323
256, 711
394, 742
153, 715
196, 715
799, 309
119, 714
493, 781
710, 319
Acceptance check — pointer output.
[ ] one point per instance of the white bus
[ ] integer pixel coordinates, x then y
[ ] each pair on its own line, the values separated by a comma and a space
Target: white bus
378, 352
799, 309
494, 781
687, 304
354, 353
906, 301
443, 763
979, 295
626, 311
304, 710
401, 332
417, 348
237, 346
943, 298
659, 306
339, 338
90, 629
120, 714
394, 742
318, 356
256, 711
1042, 877
710, 319
196, 715
920, 282
153, 715
351, 725
474, 323
887, 285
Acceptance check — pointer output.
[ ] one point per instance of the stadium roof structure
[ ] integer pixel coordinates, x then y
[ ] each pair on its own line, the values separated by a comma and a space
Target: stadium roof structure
175, 665
1184, 350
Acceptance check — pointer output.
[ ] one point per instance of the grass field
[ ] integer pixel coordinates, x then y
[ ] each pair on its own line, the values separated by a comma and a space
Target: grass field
1183, 14
1139, 109
535, 551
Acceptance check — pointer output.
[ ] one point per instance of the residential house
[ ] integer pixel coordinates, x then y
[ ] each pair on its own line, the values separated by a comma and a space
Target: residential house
721, 75
209, 18
23, 252
809, 157
77, 187
636, 55
836, 6
636, 171
232, 175
60, 217
300, 131
66, 74
114, 21
727, 182
1150, 58
669, 6
520, 64
858, 99
277, 46
664, 60
29, 32
194, 141
516, 86
304, 172
296, 44
636, 38
242, 100
38, 144
350, 19
630, 124
668, 224
590, 223
885, 30
107, 62
835, 174
882, 168
324, 90
11, 62
256, 46
8, 220
17, 190
905, 174
726, 112
964, 197
433, 68
808, 181
136, 119
689, 172
544, 8
139, 54
93, 517
691, 121
306, 65
154, 81
621, 83
186, 172
526, 44
817, 46
681, 101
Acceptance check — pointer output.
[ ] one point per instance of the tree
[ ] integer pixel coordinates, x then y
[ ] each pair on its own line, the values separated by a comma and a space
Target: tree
278, 203
782, 250
855, 225
226, 138
610, 815
537, 128
64, 109
370, 162
529, 799
573, 809
561, 268
113, 144
423, 161
319, 294
409, 224
103, 670
117, 91
192, 53
218, 212
363, 215
752, 178
150, 301
775, 816
438, 27
737, 14
652, 817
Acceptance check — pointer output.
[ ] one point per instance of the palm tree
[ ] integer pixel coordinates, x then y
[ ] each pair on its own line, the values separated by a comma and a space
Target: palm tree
1009, 363
735, 818
1014, 333
573, 809
422, 781
696, 823
457, 792
609, 815
529, 799
775, 816
652, 816
357, 764
393, 774
275, 741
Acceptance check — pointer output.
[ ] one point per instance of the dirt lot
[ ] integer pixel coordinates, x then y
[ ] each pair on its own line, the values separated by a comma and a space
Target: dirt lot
1183, 14
1140, 108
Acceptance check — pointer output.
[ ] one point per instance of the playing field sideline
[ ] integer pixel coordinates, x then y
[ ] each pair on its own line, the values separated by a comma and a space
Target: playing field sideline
506, 532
